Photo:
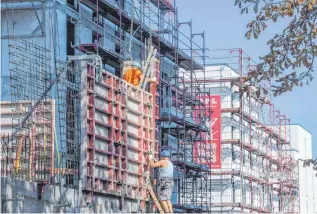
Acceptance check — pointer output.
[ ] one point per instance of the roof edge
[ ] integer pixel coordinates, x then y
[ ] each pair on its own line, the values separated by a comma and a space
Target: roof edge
297, 124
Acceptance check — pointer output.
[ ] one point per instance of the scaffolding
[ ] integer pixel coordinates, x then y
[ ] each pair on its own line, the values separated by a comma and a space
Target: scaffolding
184, 133
93, 144
96, 147
119, 31
68, 120
257, 173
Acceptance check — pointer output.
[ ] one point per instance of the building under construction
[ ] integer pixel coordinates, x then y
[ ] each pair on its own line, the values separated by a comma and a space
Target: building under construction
76, 137
255, 169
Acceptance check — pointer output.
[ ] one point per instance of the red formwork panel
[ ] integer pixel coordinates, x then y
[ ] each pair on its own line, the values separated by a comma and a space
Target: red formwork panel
121, 126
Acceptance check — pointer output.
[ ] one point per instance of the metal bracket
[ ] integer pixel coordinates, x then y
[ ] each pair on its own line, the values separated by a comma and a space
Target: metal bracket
67, 204
38, 18
119, 143
118, 91
13, 199
37, 29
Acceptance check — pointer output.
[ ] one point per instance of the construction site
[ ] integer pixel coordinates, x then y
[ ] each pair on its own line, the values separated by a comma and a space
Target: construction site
77, 135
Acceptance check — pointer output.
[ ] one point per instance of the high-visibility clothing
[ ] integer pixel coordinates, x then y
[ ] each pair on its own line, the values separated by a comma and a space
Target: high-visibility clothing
133, 76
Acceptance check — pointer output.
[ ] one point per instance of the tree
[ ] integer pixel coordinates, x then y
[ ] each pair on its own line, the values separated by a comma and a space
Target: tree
308, 162
292, 49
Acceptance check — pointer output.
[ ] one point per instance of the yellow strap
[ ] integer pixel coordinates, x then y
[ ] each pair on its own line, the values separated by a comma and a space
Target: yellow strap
18, 154
32, 134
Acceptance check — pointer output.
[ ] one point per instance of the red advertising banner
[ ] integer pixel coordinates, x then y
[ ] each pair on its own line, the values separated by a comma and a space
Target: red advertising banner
211, 147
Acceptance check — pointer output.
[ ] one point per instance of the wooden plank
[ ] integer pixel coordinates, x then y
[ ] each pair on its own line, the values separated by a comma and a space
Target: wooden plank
149, 187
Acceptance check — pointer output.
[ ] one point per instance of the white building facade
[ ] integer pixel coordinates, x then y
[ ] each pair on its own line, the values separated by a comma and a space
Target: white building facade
257, 171
301, 141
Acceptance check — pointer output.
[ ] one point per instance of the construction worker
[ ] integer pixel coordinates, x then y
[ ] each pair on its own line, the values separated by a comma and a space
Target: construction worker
134, 74
166, 183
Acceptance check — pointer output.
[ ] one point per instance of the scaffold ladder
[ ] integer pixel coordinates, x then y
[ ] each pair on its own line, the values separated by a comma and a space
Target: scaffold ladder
146, 67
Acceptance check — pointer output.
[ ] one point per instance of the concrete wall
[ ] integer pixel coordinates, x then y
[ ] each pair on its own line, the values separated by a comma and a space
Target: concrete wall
25, 23
22, 22
21, 197
301, 141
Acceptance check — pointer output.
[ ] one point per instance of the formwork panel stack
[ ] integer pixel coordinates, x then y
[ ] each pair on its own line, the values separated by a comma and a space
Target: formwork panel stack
120, 131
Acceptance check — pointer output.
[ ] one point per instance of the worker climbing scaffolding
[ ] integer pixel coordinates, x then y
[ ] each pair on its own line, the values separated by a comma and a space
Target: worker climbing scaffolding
166, 183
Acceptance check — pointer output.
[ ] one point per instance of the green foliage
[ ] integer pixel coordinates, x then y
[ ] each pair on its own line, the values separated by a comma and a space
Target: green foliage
293, 48
308, 162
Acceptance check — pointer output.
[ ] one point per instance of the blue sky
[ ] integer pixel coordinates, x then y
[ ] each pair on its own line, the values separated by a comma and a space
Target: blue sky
225, 28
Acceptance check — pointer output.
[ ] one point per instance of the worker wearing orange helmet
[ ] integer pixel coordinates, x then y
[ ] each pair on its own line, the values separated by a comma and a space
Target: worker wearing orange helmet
134, 74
